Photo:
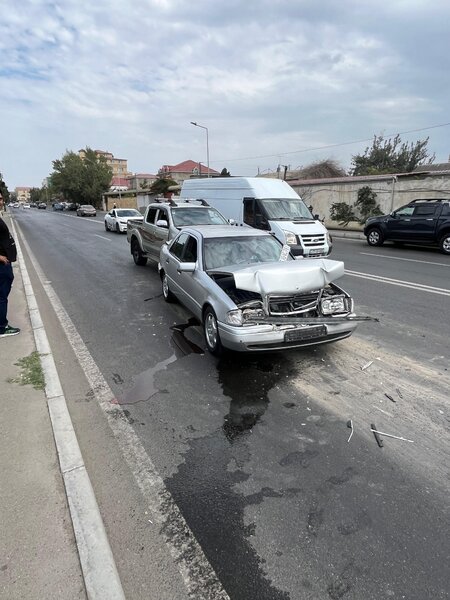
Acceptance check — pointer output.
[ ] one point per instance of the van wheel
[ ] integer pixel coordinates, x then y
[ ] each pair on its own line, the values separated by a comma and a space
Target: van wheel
211, 331
444, 244
167, 294
139, 259
375, 237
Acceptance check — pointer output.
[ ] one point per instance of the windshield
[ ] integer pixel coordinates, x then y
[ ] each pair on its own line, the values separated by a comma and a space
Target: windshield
221, 252
197, 216
285, 208
123, 212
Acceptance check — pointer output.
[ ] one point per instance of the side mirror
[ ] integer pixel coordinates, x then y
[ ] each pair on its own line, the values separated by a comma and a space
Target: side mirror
231, 221
187, 267
393, 214
162, 223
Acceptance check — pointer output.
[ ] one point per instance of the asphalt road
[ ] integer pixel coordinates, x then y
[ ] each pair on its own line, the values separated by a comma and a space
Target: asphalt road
254, 449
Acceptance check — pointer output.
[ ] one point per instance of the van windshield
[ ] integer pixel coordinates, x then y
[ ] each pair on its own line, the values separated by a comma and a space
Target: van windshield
287, 209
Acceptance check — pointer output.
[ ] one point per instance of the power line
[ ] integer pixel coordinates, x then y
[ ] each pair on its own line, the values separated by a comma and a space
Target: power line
278, 154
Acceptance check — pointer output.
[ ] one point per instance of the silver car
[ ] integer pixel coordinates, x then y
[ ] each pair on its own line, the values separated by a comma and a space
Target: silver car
86, 210
250, 294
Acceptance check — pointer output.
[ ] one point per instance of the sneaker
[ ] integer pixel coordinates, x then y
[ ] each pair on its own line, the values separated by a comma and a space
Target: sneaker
10, 331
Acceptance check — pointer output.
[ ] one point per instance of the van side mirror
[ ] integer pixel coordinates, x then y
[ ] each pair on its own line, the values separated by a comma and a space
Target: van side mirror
231, 221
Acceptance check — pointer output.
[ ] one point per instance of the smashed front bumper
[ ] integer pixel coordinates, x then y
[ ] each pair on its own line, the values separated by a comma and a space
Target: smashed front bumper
284, 332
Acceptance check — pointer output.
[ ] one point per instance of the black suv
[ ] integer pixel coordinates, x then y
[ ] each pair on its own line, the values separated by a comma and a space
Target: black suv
425, 222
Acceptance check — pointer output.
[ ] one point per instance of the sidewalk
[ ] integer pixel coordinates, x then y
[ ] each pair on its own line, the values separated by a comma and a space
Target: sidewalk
38, 554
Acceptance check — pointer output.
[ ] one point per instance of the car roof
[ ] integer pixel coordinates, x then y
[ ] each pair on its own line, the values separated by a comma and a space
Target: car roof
215, 231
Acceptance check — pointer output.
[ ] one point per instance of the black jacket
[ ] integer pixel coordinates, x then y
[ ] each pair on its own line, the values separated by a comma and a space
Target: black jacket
7, 243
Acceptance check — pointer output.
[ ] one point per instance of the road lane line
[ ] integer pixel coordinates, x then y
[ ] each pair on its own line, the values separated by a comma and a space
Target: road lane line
400, 283
197, 574
97, 562
102, 237
425, 262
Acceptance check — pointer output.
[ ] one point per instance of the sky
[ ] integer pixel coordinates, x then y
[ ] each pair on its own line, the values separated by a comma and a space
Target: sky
286, 82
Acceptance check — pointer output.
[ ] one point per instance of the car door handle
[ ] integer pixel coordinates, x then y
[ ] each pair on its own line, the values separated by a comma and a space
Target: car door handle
430, 219
167, 261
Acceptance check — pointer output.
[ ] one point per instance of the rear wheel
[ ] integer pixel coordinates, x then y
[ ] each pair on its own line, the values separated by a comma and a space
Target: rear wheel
375, 237
444, 244
139, 259
167, 294
211, 331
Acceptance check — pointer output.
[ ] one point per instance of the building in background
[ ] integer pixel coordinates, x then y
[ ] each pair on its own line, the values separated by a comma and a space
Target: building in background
22, 194
141, 181
119, 166
186, 170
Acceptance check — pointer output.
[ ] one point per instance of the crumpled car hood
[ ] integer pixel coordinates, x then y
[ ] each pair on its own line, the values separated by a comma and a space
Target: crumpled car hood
290, 277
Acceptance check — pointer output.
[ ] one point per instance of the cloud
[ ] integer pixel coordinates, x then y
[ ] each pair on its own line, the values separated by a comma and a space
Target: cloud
266, 78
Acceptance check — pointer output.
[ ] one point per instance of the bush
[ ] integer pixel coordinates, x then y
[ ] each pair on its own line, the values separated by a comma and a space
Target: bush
367, 204
342, 213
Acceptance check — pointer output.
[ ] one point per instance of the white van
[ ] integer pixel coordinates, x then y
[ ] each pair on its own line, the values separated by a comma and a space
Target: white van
263, 203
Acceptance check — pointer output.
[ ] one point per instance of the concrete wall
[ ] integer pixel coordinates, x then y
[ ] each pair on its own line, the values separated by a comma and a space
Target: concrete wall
392, 192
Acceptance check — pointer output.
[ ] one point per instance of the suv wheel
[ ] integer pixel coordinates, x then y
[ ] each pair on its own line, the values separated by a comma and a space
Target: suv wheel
375, 237
138, 257
211, 331
444, 244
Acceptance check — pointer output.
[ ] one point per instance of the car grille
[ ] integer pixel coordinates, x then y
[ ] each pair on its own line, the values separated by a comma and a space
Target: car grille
293, 305
313, 241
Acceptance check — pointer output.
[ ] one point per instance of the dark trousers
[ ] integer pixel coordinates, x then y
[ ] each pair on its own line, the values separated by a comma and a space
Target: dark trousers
6, 279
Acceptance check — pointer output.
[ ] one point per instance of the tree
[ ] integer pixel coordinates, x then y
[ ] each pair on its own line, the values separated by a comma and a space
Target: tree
35, 194
391, 156
161, 186
328, 168
81, 180
367, 204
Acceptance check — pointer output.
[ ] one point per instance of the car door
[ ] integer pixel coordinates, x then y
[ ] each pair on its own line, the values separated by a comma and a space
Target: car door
147, 231
186, 285
110, 219
160, 234
423, 222
398, 223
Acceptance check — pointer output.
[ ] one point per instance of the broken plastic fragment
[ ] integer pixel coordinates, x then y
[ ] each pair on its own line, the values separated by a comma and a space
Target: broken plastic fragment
367, 365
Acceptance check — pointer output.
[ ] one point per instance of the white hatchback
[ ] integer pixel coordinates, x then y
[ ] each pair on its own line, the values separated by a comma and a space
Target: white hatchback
117, 218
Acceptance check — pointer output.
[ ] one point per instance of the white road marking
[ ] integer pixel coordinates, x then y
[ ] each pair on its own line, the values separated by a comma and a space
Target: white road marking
400, 283
102, 237
198, 576
97, 562
425, 262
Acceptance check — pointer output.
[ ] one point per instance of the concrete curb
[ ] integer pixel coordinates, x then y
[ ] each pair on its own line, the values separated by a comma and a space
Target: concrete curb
97, 562
353, 235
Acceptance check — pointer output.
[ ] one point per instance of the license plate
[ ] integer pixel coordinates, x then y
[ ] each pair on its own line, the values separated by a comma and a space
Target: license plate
305, 333
316, 251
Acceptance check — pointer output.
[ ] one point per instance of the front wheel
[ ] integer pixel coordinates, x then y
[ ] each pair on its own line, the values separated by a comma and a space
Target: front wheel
117, 228
375, 237
139, 259
106, 226
211, 331
444, 244
167, 294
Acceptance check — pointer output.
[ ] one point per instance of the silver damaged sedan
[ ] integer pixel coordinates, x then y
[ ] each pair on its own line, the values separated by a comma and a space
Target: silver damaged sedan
250, 294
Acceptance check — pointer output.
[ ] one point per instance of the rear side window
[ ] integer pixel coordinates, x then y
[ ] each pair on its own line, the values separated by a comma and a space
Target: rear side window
446, 209
425, 210
151, 215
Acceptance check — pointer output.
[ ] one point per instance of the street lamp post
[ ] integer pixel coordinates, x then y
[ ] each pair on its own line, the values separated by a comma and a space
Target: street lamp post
207, 142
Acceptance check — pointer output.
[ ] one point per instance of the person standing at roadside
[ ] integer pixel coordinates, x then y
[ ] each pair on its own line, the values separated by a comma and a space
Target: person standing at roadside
8, 255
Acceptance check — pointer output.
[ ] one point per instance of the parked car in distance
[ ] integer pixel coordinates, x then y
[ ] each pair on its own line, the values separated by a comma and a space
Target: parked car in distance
162, 221
58, 206
42, 205
86, 210
250, 294
33, 205
26, 205
422, 221
117, 218
71, 206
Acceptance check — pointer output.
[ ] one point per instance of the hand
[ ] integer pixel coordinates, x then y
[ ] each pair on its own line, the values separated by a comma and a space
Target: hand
4, 260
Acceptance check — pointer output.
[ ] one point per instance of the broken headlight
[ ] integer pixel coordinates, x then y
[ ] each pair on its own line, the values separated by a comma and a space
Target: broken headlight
333, 305
234, 317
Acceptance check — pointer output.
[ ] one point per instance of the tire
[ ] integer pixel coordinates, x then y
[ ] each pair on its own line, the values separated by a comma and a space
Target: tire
117, 228
106, 226
375, 237
444, 244
138, 257
211, 332
167, 294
